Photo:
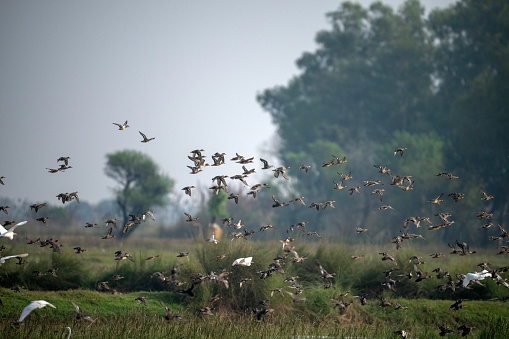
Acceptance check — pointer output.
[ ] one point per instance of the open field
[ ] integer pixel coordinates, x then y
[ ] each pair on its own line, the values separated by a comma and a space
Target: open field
120, 314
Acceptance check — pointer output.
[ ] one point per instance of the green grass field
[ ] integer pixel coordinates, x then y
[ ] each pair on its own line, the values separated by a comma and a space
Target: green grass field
120, 315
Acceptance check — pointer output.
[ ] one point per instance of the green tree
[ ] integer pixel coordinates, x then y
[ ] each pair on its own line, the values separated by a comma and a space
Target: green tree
217, 206
472, 101
141, 184
382, 79
369, 77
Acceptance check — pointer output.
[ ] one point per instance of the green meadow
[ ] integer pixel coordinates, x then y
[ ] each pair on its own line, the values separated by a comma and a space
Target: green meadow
118, 314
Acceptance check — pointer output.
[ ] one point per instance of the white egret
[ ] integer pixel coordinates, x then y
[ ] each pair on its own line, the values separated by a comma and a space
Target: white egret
3, 259
475, 276
243, 261
10, 233
33, 305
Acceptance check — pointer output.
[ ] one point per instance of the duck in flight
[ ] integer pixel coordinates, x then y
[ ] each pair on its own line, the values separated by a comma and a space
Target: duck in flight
145, 139
123, 126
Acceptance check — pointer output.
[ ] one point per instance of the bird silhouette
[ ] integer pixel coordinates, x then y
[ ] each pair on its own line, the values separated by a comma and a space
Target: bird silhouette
123, 126
145, 139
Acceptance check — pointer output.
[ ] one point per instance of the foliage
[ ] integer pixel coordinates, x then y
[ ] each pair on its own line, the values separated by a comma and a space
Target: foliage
472, 100
142, 186
381, 79
217, 205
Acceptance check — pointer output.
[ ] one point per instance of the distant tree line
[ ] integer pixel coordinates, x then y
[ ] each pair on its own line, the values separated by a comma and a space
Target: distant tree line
382, 79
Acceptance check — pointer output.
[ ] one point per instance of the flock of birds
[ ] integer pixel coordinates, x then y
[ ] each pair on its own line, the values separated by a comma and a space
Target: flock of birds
288, 252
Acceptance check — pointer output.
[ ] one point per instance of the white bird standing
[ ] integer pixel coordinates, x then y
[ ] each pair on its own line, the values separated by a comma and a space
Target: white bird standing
3, 259
10, 233
243, 261
33, 305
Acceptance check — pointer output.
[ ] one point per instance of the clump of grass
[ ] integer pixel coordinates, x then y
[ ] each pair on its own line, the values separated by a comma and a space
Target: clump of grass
251, 292
494, 327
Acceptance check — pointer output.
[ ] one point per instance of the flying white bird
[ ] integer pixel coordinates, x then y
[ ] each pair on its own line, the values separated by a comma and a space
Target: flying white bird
475, 276
33, 305
10, 233
243, 261
3, 259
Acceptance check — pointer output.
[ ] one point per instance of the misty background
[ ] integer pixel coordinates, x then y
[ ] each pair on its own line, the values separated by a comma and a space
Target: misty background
293, 82
184, 73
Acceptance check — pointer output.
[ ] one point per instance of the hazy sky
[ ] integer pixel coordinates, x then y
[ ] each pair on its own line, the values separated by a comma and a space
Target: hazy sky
184, 72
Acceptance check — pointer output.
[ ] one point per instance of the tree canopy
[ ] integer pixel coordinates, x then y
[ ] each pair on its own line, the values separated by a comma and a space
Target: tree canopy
382, 79
141, 183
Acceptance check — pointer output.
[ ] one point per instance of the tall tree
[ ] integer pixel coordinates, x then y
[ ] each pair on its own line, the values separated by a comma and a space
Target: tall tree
369, 78
472, 101
141, 183
382, 79
217, 206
